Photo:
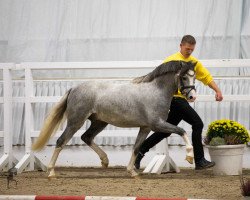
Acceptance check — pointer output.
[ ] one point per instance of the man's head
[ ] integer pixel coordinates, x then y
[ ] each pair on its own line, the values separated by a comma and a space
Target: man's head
187, 45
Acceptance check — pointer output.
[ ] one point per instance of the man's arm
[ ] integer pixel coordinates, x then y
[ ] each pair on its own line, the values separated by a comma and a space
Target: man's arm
218, 95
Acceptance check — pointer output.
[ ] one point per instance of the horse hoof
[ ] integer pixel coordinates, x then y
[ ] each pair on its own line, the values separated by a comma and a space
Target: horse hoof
105, 162
105, 165
133, 174
138, 176
190, 159
52, 177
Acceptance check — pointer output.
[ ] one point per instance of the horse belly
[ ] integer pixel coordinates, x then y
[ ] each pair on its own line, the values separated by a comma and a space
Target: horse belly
120, 120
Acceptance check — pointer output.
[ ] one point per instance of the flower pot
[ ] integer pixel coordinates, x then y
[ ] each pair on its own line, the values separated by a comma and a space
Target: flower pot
227, 158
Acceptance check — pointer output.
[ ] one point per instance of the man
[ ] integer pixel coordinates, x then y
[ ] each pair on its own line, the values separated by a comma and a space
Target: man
181, 110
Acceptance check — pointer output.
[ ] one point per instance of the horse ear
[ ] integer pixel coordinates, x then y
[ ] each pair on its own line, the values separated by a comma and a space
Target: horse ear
176, 78
178, 73
194, 63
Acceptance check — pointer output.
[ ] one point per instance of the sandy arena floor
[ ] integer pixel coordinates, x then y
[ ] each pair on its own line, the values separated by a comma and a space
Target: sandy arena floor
116, 182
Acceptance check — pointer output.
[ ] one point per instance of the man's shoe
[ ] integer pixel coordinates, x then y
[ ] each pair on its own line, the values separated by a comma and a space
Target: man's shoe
138, 160
203, 164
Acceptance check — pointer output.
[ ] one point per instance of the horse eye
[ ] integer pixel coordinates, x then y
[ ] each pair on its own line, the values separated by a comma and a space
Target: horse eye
184, 78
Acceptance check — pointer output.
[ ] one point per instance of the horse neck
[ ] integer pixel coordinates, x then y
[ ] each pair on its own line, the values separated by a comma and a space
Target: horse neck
166, 82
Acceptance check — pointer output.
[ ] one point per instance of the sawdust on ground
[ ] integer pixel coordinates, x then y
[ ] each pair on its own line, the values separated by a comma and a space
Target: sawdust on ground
117, 182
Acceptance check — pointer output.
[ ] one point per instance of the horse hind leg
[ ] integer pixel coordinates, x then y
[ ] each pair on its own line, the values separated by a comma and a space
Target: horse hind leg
88, 137
60, 143
143, 133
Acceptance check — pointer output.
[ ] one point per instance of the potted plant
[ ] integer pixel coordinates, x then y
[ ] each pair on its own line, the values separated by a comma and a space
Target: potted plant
225, 140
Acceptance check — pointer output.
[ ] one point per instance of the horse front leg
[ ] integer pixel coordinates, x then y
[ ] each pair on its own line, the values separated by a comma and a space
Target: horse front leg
189, 149
143, 133
163, 126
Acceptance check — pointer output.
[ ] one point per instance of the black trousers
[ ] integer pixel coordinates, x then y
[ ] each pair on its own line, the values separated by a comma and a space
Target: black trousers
180, 110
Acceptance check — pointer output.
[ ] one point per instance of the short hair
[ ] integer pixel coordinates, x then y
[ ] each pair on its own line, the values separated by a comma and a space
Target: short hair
188, 39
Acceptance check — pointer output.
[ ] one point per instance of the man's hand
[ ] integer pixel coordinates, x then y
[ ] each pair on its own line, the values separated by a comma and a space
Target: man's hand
218, 96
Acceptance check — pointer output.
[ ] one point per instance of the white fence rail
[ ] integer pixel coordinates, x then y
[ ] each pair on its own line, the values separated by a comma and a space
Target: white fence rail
7, 160
121, 70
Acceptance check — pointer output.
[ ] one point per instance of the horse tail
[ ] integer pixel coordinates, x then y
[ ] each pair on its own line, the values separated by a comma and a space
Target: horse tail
51, 123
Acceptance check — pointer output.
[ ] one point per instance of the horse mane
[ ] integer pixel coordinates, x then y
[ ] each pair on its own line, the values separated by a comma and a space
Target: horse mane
172, 66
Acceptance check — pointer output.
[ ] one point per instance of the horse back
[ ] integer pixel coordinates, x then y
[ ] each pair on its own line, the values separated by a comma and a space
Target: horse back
123, 105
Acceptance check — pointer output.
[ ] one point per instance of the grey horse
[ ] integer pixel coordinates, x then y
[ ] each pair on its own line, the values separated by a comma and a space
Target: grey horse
143, 102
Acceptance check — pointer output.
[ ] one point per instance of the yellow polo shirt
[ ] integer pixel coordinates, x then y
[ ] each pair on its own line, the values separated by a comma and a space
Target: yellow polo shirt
202, 74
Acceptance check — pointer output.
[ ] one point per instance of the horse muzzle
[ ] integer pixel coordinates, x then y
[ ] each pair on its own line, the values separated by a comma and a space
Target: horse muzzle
189, 92
191, 98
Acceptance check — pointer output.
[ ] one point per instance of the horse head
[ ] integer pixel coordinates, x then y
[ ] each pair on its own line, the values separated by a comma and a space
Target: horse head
186, 80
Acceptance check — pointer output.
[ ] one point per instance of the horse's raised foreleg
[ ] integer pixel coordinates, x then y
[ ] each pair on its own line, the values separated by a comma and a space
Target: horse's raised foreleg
143, 133
88, 137
189, 149
163, 126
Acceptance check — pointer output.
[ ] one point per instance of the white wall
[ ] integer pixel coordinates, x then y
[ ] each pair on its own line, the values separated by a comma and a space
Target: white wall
104, 30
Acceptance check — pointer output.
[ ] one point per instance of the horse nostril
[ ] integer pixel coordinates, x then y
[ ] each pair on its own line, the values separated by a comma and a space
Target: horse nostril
191, 97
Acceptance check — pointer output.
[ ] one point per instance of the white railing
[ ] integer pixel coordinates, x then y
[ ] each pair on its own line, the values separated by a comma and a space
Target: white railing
121, 70
7, 160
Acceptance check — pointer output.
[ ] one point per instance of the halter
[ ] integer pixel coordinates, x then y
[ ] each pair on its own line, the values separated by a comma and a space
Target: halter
190, 87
